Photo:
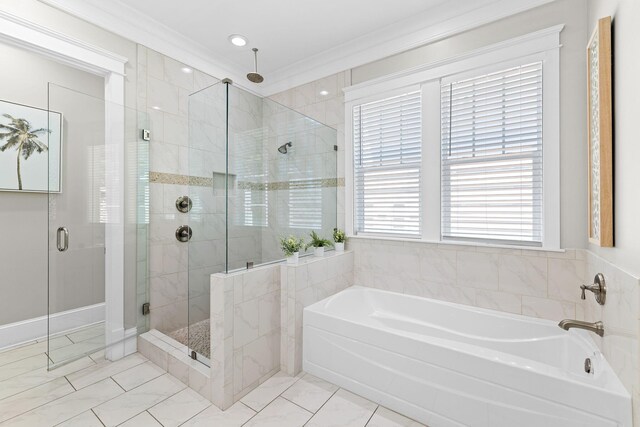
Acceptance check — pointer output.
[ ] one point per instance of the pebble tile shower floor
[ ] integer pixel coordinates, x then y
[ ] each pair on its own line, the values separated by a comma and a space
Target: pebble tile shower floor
134, 392
197, 337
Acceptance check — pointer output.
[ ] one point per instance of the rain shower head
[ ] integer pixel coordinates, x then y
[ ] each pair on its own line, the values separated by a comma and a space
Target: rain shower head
255, 77
283, 148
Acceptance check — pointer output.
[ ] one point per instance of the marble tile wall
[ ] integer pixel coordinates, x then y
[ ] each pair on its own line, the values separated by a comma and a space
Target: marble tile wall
310, 100
245, 331
250, 317
163, 91
178, 272
532, 283
302, 183
621, 317
302, 284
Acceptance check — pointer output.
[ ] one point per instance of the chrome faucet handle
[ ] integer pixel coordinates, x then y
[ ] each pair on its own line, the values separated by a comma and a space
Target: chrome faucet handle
583, 296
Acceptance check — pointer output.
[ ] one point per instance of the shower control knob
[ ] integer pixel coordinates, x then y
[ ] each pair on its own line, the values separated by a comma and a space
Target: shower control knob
184, 233
184, 204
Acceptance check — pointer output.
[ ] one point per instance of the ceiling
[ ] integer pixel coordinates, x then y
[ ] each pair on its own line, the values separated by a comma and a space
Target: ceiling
299, 40
285, 31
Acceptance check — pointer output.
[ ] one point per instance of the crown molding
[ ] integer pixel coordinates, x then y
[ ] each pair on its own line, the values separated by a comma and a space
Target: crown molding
60, 47
120, 18
442, 21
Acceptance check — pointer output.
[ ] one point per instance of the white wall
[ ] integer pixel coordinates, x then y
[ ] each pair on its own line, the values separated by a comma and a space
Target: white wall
626, 69
23, 256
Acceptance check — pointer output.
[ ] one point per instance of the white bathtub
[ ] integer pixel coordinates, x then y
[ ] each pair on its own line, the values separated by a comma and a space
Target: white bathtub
447, 364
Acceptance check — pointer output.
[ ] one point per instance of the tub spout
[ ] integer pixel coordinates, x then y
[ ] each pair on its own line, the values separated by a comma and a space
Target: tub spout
596, 327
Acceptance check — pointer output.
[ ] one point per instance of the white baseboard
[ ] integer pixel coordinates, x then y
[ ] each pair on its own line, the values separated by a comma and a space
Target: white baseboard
130, 341
32, 329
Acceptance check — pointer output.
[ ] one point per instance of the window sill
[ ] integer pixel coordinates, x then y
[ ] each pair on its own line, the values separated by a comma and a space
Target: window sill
456, 243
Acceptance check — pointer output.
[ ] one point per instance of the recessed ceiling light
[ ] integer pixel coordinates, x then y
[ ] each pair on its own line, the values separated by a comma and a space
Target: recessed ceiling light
155, 107
238, 40
187, 70
324, 92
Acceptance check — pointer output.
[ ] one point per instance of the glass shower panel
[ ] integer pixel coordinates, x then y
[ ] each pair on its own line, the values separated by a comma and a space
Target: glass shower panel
77, 218
301, 166
207, 217
258, 171
247, 195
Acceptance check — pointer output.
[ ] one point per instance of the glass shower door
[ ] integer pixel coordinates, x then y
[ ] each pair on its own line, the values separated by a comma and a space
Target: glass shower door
75, 135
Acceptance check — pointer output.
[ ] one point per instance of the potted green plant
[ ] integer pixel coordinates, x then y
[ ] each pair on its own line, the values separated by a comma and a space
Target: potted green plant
318, 244
339, 238
291, 247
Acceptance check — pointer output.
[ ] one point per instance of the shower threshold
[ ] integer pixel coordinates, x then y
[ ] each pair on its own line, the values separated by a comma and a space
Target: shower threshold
197, 337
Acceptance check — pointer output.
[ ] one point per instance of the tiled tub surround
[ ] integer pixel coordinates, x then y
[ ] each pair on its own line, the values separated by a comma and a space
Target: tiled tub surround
256, 320
528, 282
303, 284
621, 318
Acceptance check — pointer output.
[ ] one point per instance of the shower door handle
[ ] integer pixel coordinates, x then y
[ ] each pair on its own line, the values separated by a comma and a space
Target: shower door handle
62, 239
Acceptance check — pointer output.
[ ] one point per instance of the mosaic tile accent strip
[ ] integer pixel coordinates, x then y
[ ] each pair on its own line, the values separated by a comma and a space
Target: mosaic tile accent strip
287, 185
199, 181
169, 178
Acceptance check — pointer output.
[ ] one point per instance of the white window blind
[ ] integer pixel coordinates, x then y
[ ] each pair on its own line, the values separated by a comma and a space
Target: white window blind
492, 156
387, 158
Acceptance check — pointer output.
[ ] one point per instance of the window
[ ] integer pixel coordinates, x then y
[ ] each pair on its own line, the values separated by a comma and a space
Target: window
492, 163
464, 150
387, 162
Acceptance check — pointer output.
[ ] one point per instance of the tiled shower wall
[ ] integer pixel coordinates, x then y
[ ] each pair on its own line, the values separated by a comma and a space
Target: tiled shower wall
327, 109
163, 91
302, 184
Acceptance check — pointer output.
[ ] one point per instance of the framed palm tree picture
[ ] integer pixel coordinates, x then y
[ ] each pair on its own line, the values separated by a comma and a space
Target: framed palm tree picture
30, 149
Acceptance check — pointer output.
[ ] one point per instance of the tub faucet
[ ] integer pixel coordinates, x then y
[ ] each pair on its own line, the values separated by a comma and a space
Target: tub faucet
596, 327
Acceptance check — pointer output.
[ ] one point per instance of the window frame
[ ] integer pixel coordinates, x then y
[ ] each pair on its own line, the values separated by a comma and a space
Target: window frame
543, 46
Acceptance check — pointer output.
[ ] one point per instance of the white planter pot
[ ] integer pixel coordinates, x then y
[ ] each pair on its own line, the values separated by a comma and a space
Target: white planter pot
318, 251
293, 259
339, 246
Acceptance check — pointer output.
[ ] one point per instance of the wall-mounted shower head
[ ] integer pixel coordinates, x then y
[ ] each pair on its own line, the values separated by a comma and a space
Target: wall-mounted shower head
283, 148
255, 77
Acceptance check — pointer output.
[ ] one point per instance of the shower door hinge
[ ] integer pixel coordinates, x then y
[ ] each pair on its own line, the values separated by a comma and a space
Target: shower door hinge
194, 355
146, 308
146, 135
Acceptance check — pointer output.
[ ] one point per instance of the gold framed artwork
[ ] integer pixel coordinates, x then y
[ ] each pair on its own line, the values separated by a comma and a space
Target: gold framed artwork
600, 135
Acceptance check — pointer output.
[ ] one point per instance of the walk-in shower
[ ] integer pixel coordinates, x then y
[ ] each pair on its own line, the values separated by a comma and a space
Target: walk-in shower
245, 194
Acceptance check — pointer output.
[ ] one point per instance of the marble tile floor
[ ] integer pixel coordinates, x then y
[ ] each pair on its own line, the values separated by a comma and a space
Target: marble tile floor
134, 392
